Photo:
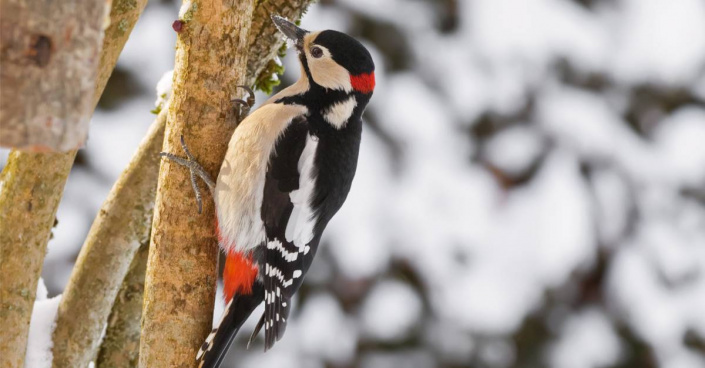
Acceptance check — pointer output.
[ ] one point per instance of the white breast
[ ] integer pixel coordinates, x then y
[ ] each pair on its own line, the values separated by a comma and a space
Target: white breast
240, 185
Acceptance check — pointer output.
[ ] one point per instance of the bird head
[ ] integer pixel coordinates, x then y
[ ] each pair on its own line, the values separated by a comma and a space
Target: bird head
331, 59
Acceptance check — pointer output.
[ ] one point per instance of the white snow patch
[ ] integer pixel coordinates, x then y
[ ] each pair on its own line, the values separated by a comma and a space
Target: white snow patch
164, 90
587, 125
514, 149
390, 311
681, 137
613, 200
661, 41
535, 31
540, 234
185, 7
41, 328
326, 331
587, 340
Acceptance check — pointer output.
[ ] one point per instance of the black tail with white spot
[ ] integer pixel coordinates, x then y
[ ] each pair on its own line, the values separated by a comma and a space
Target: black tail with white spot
218, 341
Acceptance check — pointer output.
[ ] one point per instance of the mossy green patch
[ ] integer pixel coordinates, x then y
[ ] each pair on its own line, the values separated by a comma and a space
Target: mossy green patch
268, 78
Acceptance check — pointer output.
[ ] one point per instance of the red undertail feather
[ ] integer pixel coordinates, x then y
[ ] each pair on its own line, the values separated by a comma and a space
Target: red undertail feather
239, 275
364, 83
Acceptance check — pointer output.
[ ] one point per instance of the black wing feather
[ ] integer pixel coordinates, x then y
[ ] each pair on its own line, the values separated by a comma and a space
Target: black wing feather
279, 282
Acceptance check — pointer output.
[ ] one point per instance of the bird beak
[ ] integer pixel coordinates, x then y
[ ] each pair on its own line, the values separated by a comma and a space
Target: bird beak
290, 30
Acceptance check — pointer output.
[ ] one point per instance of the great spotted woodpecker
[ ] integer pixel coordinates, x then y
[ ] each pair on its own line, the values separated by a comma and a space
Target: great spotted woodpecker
287, 171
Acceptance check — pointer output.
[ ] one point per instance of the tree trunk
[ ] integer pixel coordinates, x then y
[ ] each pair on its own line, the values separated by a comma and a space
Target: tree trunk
122, 224
39, 179
49, 55
121, 344
211, 60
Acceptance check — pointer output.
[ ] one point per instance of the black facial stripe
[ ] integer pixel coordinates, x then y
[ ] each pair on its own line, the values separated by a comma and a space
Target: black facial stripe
316, 97
304, 62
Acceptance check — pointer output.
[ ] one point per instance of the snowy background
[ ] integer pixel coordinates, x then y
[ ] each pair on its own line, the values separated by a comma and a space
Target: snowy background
530, 192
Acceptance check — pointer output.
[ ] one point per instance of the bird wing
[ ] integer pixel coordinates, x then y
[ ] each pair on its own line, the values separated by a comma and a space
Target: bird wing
289, 222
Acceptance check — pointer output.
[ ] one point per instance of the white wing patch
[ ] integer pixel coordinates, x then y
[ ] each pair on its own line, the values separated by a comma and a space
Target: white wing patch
338, 114
288, 256
299, 229
273, 271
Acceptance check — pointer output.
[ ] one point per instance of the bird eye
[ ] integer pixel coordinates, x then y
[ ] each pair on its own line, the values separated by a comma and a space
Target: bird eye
316, 52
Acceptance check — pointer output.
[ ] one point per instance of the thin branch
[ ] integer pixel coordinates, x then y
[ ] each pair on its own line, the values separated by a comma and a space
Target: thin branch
121, 345
122, 224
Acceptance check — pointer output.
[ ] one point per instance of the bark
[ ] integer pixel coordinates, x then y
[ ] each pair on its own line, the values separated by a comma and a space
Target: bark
123, 17
28, 203
122, 224
265, 40
49, 53
37, 179
211, 60
121, 344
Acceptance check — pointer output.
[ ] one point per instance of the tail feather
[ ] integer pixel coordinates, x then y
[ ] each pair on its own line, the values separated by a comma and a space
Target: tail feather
218, 341
256, 331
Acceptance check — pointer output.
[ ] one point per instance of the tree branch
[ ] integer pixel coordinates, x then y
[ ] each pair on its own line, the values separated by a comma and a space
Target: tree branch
121, 344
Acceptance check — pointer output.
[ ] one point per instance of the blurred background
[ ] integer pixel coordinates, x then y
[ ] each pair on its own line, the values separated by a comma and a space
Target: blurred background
530, 191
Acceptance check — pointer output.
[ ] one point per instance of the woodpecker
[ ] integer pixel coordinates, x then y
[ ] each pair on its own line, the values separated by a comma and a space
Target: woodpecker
287, 171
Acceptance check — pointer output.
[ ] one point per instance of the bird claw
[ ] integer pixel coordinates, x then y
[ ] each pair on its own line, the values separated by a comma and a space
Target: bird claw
195, 169
245, 103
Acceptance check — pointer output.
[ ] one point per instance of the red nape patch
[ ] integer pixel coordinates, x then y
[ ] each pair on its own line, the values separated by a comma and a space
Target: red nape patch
364, 83
239, 275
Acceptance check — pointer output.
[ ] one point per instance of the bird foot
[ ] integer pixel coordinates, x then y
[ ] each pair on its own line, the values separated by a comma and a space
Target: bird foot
195, 169
245, 104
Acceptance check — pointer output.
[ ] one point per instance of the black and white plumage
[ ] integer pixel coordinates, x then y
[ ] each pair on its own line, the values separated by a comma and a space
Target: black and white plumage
288, 169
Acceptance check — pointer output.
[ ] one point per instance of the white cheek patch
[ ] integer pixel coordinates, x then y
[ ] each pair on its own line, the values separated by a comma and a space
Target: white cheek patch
326, 72
339, 114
